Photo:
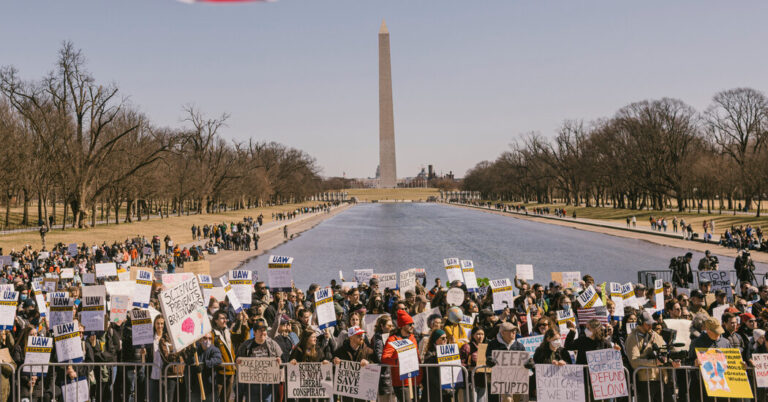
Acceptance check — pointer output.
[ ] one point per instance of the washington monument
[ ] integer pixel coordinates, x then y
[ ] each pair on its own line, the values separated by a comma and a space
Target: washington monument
387, 168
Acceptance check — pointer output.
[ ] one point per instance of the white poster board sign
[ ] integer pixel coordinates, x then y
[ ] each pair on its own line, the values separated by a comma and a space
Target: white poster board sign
387, 281
8, 302
407, 281
454, 297
354, 381
524, 271
68, 343
118, 308
614, 290
206, 286
324, 309
143, 288
279, 273
363, 276
93, 311
606, 373
61, 310
242, 284
761, 369
470, 279
407, 357
560, 383
721, 280
453, 269
37, 351
184, 310
106, 270
141, 327
230, 295
258, 370
76, 390
502, 294
508, 375
309, 380
447, 356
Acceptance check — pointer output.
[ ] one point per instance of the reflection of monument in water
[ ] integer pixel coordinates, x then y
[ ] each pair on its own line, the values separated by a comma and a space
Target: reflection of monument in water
387, 169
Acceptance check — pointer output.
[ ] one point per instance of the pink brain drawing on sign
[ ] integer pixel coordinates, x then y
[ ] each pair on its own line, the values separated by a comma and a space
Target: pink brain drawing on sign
188, 326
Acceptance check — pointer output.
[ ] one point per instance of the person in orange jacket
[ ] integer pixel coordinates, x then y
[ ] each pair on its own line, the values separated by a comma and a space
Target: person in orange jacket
389, 355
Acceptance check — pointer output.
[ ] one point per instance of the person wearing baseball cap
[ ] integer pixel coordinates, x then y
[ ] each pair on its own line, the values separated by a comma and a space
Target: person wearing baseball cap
639, 348
390, 357
696, 304
353, 349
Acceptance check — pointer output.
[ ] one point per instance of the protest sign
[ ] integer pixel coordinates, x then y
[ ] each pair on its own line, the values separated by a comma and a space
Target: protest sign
369, 324
89, 278
279, 273
143, 288
124, 288
118, 308
49, 284
61, 310
571, 280
198, 267
466, 324
559, 383
658, 293
141, 327
407, 281
37, 351
683, 328
349, 285
106, 270
720, 280
5, 260
184, 310
628, 294
508, 375
230, 295
448, 355
717, 312
470, 279
421, 273
76, 390
242, 284
614, 289
8, 303
363, 276
93, 311
68, 343
420, 324
324, 309
453, 269
219, 293
258, 370
67, 273
386, 281
761, 369
606, 374
524, 272
40, 301
407, 357
171, 280
72, 249
454, 297
723, 373
352, 380
206, 284
309, 380
531, 343
502, 294
589, 298
7, 286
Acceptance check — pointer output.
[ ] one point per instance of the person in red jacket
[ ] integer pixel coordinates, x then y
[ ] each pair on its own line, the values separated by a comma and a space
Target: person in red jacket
389, 357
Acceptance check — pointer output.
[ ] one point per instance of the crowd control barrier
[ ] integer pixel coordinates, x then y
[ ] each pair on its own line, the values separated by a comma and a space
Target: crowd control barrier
98, 381
684, 384
224, 388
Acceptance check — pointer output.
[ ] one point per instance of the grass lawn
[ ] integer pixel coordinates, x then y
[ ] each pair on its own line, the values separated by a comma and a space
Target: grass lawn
370, 194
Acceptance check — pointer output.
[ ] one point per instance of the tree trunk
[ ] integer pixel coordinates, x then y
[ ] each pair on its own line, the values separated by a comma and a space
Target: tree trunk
39, 208
7, 209
25, 217
128, 210
64, 217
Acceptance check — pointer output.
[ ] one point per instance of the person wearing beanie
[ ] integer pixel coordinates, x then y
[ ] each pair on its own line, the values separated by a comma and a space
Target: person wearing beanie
389, 355
433, 391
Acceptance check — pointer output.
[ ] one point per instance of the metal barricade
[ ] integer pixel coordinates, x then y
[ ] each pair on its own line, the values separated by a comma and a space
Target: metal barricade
110, 381
648, 277
481, 389
682, 384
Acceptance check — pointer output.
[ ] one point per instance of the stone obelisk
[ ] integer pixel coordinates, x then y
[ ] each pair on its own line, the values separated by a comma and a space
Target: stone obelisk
387, 168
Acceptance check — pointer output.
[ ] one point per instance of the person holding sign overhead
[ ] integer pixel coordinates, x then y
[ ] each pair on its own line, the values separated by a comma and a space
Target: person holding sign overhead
390, 356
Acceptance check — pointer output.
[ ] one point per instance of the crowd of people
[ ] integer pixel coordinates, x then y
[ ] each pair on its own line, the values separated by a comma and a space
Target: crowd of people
283, 325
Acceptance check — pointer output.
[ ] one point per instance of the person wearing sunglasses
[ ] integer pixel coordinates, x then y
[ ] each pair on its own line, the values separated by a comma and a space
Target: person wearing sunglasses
202, 360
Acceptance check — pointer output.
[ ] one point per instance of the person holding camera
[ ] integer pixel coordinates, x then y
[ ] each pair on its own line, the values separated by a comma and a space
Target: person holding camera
745, 268
643, 347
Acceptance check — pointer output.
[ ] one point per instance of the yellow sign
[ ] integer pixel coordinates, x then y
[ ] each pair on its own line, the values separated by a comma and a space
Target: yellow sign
723, 374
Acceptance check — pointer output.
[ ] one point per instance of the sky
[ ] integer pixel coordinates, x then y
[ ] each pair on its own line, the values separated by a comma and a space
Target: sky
469, 77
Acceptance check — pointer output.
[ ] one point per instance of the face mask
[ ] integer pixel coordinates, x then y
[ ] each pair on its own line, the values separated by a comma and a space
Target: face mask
566, 307
557, 343
23, 297
588, 332
205, 344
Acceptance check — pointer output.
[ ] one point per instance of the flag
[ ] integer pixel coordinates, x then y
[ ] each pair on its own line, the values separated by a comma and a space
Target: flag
584, 315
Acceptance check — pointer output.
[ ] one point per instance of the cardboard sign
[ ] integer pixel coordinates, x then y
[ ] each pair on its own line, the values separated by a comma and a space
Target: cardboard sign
37, 351
454, 297
470, 279
61, 311
106, 270
143, 288
118, 308
453, 269
198, 267
559, 383
76, 390
141, 327
242, 284
606, 374
230, 295
407, 357
508, 375
531, 343
354, 381
407, 281
309, 380
8, 302
450, 362
258, 370
279, 273
206, 286
524, 271
502, 294
324, 309
363, 276
184, 310
93, 310
722, 372
68, 343
721, 280
761, 369
386, 281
